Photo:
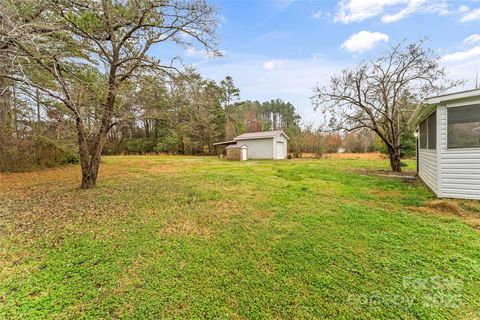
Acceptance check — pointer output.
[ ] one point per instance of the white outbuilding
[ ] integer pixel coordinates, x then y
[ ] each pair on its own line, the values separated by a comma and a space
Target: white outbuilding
448, 144
265, 145
261, 145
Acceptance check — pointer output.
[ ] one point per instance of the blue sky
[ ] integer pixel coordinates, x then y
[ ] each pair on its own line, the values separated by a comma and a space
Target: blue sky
283, 48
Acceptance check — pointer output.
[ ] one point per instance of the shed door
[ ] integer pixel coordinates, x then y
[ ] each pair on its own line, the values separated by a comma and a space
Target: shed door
280, 154
244, 154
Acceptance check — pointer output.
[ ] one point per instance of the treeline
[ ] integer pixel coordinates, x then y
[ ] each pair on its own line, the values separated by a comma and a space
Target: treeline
187, 114
179, 114
319, 141
183, 114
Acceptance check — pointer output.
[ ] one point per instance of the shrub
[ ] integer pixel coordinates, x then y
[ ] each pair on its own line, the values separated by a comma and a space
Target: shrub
408, 145
32, 154
168, 143
140, 145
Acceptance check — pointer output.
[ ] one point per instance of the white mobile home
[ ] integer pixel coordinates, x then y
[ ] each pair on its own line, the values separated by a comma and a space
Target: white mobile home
261, 145
448, 144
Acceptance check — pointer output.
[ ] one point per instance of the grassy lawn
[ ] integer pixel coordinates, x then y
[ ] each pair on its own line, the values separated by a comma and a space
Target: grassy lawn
170, 237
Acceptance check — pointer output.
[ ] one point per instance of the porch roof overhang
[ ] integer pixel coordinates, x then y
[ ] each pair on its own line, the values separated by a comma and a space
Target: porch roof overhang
224, 143
431, 104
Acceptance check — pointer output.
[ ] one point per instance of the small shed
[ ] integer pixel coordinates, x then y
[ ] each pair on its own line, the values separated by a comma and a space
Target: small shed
237, 152
448, 144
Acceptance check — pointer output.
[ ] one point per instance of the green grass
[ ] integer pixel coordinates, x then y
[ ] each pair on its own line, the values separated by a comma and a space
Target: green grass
178, 237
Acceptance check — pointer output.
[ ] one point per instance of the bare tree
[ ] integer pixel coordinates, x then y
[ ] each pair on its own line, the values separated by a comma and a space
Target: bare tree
65, 37
379, 95
5, 85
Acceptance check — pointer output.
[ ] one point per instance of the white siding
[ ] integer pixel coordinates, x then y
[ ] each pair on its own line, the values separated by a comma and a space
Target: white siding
259, 148
427, 165
283, 144
459, 168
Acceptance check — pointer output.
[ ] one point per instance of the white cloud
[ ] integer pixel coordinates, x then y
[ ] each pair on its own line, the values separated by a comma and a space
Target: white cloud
470, 15
463, 8
281, 5
359, 10
363, 41
463, 65
389, 10
194, 52
462, 55
439, 7
273, 64
317, 15
412, 7
474, 38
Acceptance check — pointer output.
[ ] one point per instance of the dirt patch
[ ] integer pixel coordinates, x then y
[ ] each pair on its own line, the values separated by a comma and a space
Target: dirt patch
388, 173
408, 176
364, 156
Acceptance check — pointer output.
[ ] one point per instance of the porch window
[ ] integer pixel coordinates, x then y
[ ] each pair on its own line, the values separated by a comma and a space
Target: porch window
423, 134
428, 132
432, 131
464, 127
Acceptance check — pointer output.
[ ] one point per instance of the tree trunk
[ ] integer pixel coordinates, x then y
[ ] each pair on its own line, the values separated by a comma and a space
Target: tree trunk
83, 153
395, 161
5, 106
5, 89
89, 163
89, 176
92, 164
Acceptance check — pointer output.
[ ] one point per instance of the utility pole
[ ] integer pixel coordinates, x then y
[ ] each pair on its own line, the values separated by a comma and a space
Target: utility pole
476, 79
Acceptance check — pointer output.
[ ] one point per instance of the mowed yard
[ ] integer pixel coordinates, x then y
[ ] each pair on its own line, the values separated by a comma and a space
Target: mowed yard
198, 237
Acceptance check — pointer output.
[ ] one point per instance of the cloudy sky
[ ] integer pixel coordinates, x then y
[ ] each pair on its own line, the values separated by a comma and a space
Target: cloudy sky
283, 48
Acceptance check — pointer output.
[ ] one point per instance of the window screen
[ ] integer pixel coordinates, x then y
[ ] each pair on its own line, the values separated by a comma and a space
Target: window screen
464, 127
423, 134
432, 131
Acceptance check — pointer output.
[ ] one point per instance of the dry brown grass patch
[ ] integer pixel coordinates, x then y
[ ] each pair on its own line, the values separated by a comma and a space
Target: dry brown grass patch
453, 208
385, 193
445, 206
185, 226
